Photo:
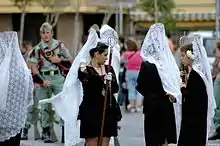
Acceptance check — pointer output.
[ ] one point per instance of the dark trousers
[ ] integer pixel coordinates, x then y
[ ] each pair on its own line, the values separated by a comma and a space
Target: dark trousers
13, 141
126, 99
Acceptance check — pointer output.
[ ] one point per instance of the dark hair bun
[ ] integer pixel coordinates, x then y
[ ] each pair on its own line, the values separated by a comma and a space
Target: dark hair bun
101, 47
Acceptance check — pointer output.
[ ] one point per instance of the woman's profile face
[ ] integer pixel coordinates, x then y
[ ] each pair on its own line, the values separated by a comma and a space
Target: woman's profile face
185, 59
102, 57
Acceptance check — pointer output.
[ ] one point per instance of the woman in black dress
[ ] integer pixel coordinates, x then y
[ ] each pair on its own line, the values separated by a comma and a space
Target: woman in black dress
93, 77
158, 83
197, 92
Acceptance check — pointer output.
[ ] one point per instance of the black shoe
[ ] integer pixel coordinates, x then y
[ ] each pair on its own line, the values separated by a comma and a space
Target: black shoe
24, 137
25, 134
46, 135
62, 139
48, 139
215, 136
43, 136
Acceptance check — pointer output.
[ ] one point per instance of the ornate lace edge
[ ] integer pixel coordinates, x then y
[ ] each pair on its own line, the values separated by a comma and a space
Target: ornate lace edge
10, 135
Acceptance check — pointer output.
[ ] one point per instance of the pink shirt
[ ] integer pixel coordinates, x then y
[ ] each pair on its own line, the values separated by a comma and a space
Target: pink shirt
134, 61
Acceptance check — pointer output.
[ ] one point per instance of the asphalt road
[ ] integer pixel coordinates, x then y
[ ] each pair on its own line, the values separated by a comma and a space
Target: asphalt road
131, 133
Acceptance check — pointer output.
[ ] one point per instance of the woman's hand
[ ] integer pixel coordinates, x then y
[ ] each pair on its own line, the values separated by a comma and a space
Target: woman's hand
183, 85
82, 66
44, 101
55, 59
171, 98
108, 76
46, 83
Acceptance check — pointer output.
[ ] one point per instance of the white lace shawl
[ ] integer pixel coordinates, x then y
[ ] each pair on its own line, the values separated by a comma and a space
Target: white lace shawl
67, 102
116, 57
16, 86
155, 49
202, 67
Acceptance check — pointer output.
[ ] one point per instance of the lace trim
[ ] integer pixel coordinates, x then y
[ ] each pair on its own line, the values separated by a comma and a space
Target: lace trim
13, 133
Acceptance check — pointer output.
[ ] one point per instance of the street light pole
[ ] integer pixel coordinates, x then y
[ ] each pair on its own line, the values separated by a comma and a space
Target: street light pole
116, 16
217, 19
121, 18
155, 11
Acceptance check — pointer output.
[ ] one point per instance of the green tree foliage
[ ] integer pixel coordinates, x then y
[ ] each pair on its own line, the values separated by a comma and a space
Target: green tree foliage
22, 5
164, 11
55, 8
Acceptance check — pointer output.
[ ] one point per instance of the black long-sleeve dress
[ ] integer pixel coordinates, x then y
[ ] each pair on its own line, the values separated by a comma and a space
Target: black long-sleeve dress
194, 112
159, 123
91, 108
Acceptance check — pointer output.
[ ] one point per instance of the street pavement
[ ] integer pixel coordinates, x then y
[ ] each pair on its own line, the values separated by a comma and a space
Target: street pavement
131, 133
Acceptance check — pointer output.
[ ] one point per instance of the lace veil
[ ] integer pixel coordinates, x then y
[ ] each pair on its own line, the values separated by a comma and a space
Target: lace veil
16, 86
155, 49
202, 67
104, 33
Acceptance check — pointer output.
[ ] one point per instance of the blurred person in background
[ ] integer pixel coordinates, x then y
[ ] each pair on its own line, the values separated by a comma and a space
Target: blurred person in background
171, 43
32, 114
174, 50
216, 79
132, 59
122, 44
123, 92
27, 47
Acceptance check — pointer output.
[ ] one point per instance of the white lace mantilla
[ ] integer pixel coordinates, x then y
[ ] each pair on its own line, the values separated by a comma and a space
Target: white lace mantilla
202, 67
19, 85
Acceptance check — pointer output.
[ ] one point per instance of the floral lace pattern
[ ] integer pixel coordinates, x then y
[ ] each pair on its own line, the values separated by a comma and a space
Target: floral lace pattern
152, 47
20, 85
155, 50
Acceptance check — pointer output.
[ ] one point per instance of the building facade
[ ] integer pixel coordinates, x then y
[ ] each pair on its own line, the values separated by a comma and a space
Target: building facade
189, 15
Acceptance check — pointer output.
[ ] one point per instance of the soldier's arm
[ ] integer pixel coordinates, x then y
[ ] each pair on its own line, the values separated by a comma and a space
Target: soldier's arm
65, 54
33, 61
29, 64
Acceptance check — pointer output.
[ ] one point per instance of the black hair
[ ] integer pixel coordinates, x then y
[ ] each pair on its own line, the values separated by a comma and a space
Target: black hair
168, 35
100, 48
142, 42
122, 39
218, 45
25, 43
185, 48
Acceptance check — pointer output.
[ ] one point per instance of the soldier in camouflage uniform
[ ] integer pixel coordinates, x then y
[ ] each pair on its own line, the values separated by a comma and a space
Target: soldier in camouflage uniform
45, 58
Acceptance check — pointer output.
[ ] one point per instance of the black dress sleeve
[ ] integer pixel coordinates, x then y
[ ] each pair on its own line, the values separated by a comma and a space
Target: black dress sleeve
149, 80
83, 75
184, 91
142, 81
